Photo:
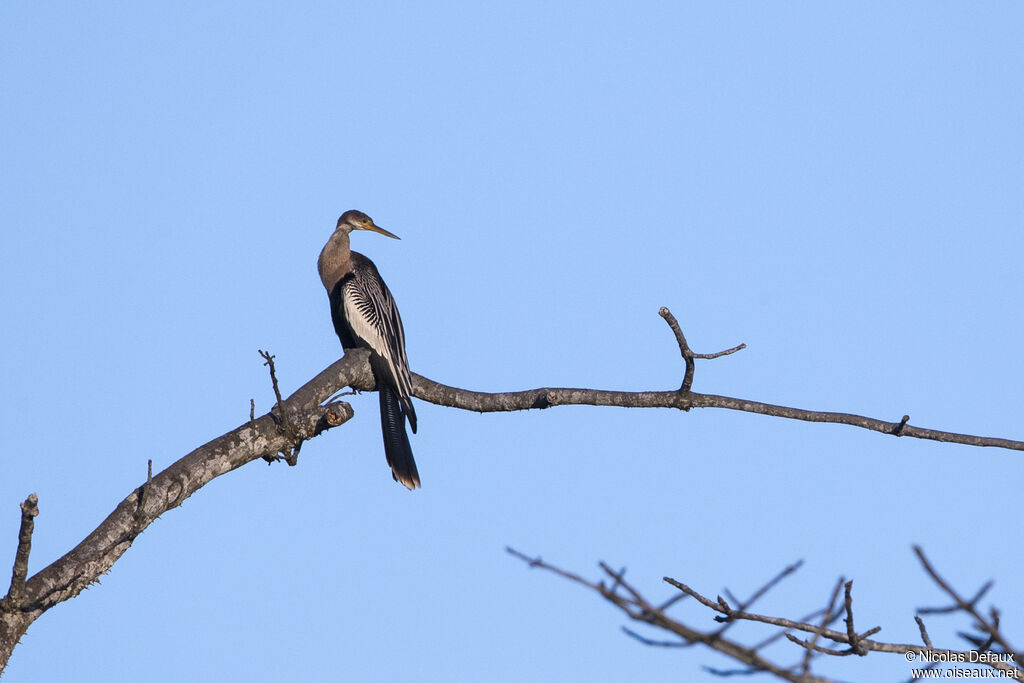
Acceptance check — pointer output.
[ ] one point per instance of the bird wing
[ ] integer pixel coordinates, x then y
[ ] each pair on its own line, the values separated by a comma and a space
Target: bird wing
373, 317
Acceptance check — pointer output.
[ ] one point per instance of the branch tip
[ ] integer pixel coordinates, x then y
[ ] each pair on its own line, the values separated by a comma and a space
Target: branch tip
291, 454
898, 431
29, 511
687, 353
924, 633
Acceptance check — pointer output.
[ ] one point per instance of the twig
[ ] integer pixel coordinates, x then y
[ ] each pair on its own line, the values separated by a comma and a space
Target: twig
811, 646
536, 562
927, 644
924, 633
637, 599
269, 361
862, 639
729, 673
851, 632
634, 605
29, 511
291, 456
760, 592
899, 428
144, 489
654, 643
639, 609
779, 634
968, 606
671, 601
689, 355
826, 619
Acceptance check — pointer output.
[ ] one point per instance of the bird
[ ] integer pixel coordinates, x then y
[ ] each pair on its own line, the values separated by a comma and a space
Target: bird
365, 316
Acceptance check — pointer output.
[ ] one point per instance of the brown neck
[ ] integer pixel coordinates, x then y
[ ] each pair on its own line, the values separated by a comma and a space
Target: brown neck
335, 259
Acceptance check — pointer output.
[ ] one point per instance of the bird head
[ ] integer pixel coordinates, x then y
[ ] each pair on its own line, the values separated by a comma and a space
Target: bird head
357, 220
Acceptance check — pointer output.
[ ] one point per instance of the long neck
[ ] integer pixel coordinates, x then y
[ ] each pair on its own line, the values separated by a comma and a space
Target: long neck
335, 259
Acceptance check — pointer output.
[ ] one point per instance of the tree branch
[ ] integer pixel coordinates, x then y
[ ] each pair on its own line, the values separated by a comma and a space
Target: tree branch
29, 511
13, 621
684, 349
256, 438
636, 607
301, 417
989, 627
481, 402
545, 397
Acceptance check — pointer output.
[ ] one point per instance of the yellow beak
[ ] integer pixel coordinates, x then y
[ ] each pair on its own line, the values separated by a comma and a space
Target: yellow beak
373, 227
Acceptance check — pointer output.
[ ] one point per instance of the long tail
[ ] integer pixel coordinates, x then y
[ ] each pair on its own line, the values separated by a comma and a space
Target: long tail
396, 441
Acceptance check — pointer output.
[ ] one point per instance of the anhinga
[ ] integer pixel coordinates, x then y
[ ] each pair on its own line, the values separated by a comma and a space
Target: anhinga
365, 315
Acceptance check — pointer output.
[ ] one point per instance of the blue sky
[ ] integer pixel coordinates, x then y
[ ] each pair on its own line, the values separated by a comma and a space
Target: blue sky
836, 184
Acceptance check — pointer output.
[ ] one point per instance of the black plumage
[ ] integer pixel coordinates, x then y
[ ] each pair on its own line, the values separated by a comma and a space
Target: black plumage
365, 316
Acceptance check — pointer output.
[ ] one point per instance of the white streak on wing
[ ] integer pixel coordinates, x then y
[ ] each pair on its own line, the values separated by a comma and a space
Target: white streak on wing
373, 316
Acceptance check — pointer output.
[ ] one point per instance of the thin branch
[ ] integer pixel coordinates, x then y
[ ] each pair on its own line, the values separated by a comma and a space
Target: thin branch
654, 643
927, 644
828, 615
779, 634
291, 454
29, 512
687, 354
682, 399
758, 594
924, 633
901, 426
634, 605
671, 601
536, 562
729, 673
811, 646
639, 609
862, 641
991, 629
851, 632
144, 490
483, 402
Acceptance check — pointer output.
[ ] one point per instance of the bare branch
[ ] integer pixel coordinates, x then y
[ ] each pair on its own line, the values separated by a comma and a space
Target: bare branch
830, 634
654, 643
14, 618
29, 512
758, 594
301, 416
851, 632
290, 454
637, 607
81, 566
683, 399
924, 633
989, 627
268, 359
812, 647
903, 423
688, 355
482, 402
828, 615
